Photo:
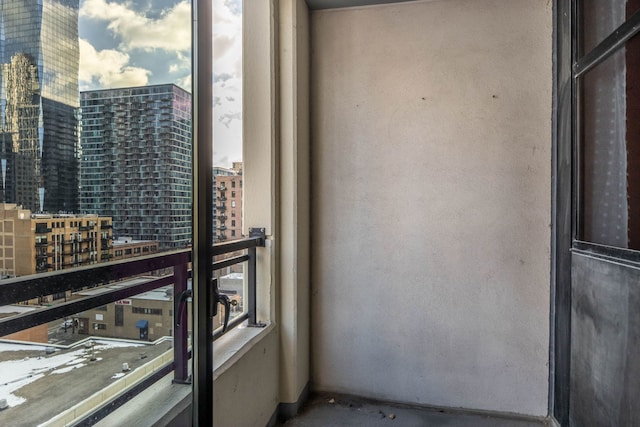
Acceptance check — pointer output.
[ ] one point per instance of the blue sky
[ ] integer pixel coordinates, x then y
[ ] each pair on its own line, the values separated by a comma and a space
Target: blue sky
142, 42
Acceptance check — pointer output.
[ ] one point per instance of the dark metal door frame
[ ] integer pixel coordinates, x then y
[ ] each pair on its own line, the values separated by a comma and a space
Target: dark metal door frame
202, 69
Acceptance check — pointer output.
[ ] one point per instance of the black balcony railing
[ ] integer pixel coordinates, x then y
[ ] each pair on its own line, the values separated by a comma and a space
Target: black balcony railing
16, 290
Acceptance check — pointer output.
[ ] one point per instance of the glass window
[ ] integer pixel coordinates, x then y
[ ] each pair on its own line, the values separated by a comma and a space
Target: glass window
601, 17
610, 150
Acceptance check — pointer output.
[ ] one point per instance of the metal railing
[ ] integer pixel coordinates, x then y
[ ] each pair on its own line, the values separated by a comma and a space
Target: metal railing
20, 289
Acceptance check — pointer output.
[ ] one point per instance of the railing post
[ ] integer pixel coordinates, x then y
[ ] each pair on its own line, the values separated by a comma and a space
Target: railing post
180, 326
252, 308
251, 284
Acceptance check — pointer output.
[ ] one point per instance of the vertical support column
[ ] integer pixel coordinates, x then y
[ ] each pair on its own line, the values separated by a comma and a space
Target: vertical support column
202, 68
563, 213
251, 277
181, 332
251, 284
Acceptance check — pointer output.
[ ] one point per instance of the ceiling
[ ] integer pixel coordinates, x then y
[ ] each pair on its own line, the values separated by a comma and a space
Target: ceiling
331, 4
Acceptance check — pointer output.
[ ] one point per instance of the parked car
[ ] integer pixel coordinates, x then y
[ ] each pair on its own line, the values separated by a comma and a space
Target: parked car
66, 324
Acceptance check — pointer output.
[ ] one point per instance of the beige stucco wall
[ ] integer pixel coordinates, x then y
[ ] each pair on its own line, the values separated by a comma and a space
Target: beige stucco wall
246, 387
431, 156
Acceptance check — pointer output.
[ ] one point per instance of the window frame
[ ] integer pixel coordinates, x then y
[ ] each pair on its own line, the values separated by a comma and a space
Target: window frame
581, 63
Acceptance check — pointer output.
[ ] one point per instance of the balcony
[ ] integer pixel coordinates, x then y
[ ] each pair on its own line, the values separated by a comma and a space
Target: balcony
83, 281
463, 291
41, 243
42, 229
221, 207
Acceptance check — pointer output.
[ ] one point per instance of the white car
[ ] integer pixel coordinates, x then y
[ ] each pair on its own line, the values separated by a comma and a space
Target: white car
67, 323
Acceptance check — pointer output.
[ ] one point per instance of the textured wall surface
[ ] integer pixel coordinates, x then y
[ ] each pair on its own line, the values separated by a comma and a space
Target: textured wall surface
431, 157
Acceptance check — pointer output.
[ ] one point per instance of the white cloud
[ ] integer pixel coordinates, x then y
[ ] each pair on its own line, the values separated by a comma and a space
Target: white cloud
227, 127
172, 32
227, 38
109, 68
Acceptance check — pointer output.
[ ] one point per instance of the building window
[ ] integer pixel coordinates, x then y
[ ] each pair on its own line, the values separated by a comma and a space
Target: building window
127, 251
146, 310
99, 327
119, 315
233, 233
233, 222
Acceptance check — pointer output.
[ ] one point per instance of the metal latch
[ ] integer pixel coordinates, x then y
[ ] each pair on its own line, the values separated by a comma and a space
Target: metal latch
227, 302
216, 298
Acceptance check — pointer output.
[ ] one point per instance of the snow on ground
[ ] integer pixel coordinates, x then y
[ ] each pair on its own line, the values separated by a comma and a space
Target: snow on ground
105, 345
12, 399
68, 368
15, 374
6, 346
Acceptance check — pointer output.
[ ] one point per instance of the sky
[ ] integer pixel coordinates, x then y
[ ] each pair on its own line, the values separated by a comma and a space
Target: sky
144, 42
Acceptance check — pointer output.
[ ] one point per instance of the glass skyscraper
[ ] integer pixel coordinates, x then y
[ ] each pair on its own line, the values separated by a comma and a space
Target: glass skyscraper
39, 101
136, 161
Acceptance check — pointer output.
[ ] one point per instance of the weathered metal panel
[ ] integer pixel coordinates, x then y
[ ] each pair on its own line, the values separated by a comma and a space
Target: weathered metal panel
605, 342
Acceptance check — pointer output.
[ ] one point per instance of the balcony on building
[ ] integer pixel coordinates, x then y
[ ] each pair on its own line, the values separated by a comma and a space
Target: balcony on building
42, 229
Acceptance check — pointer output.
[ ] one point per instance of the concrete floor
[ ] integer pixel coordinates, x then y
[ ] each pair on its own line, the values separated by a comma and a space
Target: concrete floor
329, 411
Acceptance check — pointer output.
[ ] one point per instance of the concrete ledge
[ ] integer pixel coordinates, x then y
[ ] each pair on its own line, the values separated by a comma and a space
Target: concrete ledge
165, 404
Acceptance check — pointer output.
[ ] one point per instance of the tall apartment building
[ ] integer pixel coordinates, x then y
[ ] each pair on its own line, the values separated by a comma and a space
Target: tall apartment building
228, 205
35, 243
39, 139
136, 161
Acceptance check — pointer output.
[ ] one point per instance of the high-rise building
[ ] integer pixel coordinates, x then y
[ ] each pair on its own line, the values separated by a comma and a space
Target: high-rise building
228, 205
39, 138
136, 161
